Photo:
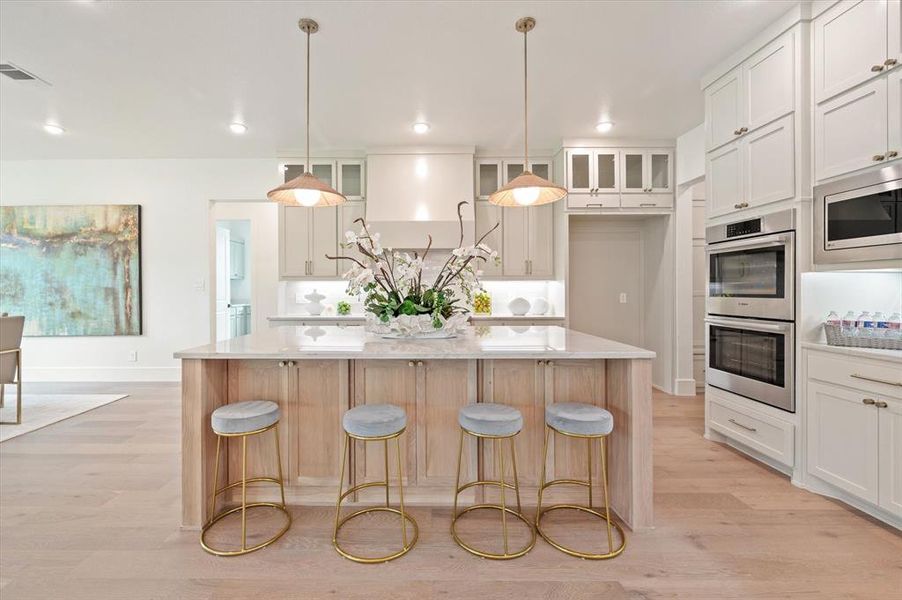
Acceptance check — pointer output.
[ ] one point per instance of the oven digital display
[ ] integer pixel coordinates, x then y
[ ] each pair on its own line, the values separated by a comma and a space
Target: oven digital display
744, 228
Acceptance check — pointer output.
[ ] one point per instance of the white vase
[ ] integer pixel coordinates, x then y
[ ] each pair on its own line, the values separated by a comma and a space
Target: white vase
519, 306
315, 306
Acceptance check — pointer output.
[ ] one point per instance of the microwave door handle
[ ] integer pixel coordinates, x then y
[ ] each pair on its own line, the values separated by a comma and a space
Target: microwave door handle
752, 326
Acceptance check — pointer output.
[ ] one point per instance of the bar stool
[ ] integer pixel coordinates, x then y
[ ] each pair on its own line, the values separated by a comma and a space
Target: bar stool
242, 420
582, 421
495, 422
374, 423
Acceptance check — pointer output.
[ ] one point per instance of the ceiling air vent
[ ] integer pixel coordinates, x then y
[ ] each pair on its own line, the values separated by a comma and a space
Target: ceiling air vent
15, 72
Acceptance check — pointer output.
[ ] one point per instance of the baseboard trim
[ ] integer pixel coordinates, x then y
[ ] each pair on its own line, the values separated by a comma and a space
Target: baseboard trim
684, 387
106, 374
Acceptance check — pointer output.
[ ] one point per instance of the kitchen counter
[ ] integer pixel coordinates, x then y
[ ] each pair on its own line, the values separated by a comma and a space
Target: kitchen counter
356, 319
474, 343
317, 373
891, 355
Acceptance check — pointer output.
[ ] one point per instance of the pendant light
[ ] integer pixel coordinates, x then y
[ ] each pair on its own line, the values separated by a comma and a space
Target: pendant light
306, 190
527, 189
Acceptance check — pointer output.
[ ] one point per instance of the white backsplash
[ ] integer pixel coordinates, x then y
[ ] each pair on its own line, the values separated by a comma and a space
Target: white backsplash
845, 291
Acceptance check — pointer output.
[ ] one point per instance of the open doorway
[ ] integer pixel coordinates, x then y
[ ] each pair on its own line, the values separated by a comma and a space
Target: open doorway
243, 267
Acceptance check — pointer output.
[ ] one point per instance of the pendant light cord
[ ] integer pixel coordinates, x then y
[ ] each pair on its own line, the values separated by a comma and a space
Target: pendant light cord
309, 167
525, 109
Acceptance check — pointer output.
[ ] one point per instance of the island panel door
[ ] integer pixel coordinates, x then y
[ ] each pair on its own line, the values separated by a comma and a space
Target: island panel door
319, 391
260, 380
443, 388
574, 381
386, 382
517, 383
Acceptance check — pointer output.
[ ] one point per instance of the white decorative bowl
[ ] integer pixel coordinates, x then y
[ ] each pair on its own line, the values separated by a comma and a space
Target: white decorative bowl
519, 306
540, 306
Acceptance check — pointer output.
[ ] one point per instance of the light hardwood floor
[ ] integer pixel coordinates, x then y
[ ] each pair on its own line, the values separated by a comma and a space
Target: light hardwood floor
89, 508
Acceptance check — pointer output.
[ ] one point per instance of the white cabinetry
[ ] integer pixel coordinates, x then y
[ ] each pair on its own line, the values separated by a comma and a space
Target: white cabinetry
752, 126
853, 414
236, 259
528, 242
619, 177
487, 216
856, 86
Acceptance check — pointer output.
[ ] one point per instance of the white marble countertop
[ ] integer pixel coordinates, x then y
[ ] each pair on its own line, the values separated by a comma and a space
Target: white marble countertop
477, 342
358, 318
891, 355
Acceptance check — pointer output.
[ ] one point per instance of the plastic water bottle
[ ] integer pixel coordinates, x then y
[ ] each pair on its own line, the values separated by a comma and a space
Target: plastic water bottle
894, 326
879, 324
848, 323
865, 323
833, 319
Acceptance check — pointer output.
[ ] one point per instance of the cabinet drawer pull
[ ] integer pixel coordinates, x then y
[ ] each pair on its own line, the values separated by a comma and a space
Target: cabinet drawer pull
410, 363
868, 401
877, 68
647, 204
881, 404
892, 154
746, 427
890, 62
875, 380
598, 204
878, 157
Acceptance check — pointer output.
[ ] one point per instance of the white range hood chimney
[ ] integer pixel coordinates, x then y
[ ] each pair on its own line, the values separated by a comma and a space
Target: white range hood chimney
414, 192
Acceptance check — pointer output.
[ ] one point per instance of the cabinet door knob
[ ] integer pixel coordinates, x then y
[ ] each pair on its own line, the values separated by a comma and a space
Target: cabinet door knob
281, 363
743, 129
892, 154
868, 401
878, 157
881, 404
877, 68
411, 363
737, 132
550, 363
541, 362
737, 206
291, 363
890, 62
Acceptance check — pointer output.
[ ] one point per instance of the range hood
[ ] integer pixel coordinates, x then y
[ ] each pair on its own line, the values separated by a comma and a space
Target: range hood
414, 192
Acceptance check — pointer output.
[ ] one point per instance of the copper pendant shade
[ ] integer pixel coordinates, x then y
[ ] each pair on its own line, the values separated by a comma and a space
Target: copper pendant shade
527, 189
306, 190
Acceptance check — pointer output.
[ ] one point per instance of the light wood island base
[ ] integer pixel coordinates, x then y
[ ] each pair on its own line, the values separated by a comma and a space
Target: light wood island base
313, 394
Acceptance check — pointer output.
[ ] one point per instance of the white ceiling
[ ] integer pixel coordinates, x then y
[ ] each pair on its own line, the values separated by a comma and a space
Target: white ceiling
164, 79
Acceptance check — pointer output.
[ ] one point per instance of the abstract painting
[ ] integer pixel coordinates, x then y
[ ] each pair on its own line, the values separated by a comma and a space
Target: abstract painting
72, 270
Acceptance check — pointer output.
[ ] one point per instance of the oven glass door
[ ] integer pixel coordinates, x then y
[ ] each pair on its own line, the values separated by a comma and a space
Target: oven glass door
748, 273
753, 359
865, 217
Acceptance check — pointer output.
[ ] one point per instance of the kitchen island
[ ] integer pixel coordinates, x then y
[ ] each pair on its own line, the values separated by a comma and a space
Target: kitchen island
315, 374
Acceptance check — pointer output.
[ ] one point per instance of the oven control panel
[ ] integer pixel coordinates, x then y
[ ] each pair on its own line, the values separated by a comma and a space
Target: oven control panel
744, 228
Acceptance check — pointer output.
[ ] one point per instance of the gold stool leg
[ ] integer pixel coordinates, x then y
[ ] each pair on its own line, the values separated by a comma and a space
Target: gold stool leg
542, 476
408, 542
387, 501
589, 457
605, 516
498, 461
243, 508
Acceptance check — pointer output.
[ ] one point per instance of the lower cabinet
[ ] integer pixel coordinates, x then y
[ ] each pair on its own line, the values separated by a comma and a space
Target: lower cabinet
854, 430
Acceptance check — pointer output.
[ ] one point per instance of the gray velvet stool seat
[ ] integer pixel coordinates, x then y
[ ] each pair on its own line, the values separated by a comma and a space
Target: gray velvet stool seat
588, 422
495, 422
374, 423
242, 420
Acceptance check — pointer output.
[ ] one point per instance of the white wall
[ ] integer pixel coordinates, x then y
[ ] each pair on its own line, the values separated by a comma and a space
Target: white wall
690, 155
845, 291
175, 198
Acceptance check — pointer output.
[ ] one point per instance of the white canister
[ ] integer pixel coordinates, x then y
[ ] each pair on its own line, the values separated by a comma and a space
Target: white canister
540, 306
519, 306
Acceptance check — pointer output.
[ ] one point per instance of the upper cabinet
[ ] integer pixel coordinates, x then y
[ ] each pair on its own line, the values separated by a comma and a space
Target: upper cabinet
850, 46
647, 171
619, 178
493, 173
753, 94
593, 171
307, 235
856, 86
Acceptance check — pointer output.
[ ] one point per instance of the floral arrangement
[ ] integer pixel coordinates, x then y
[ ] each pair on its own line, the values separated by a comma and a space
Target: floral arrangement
395, 297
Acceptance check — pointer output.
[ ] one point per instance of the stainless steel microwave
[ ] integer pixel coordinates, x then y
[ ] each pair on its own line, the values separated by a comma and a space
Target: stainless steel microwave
859, 218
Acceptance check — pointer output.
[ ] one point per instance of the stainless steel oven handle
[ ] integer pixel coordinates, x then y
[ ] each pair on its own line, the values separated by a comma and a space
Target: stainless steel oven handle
750, 325
768, 241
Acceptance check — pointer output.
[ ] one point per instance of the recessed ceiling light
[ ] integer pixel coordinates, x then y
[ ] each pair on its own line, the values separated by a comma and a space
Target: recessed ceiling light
604, 127
238, 128
420, 127
53, 129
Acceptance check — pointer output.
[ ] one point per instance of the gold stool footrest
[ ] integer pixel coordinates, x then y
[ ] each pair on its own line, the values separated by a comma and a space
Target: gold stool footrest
572, 552
220, 552
498, 507
405, 548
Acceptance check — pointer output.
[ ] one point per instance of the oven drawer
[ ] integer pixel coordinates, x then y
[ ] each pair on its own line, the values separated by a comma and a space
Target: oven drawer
769, 436
856, 373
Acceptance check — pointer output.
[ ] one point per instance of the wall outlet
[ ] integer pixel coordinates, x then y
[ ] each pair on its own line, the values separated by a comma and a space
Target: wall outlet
622, 297
133, 356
